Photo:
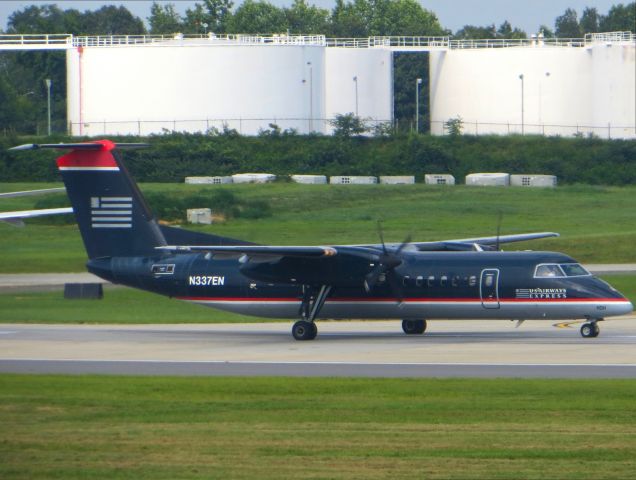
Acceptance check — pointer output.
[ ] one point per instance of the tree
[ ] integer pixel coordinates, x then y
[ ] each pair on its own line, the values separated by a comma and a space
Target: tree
197, 20
407, 68
506, 31
350, 19
547, 31
402, 17
472, 32
304, 18
164, 19
567, 25
620, 18
347, 125
258, 17
590, 20
455, 126
111, 20
219, 13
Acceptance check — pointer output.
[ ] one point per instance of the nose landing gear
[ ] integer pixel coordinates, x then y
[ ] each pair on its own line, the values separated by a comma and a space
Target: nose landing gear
590, 329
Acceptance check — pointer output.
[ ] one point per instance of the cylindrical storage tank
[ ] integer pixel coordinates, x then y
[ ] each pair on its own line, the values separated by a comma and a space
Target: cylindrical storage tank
359, 81
195, 86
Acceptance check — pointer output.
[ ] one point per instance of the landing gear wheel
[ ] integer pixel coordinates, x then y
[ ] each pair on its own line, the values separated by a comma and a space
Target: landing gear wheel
303, 330
413, 327
590, 330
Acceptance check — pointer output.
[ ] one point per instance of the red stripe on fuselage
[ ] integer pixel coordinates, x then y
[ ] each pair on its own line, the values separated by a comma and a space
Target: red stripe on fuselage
89, 158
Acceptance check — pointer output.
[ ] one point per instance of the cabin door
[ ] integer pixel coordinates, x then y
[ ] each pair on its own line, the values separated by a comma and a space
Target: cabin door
489, 288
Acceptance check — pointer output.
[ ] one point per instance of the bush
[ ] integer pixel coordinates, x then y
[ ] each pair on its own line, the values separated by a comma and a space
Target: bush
177, 155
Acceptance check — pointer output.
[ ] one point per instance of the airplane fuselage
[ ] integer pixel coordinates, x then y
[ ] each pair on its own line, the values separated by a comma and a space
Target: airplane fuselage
496, 285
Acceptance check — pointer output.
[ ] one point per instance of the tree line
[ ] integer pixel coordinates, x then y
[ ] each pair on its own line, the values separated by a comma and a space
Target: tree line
23, 91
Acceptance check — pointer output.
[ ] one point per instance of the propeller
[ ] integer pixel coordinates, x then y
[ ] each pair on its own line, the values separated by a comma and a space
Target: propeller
499, 217
385, 267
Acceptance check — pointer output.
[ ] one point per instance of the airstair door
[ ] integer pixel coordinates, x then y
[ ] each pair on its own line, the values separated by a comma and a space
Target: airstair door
489, 288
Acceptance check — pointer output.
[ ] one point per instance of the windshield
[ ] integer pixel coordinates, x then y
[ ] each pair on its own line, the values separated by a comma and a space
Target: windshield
574, 270
560, 270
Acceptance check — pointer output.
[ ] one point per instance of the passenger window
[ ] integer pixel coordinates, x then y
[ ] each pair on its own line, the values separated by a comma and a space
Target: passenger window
443, 281
431, 281
472, 281
548, 270
405, 280
419, 281
455, 281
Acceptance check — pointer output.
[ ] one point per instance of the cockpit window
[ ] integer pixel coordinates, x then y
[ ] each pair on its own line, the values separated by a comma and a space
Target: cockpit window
574, 270
548, 270
560, 270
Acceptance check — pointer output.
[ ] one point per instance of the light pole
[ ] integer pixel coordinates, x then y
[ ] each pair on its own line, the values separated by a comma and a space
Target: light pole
418, 82
522, 117
311, 96
355, 80
48, 102
547, 75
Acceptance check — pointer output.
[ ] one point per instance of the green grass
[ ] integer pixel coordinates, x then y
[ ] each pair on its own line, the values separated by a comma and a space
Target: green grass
128, 306
597, 224
119, 305
271, 428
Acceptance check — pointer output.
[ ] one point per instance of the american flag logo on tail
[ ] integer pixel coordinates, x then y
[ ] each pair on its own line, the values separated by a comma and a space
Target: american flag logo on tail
111, 212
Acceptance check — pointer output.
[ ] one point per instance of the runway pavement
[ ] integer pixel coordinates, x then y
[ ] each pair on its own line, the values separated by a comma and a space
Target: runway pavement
358, 349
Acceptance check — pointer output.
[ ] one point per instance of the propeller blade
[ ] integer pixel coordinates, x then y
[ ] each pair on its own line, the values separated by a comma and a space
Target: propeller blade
406, 241
381, 235
396, 286
371, 280
498, 229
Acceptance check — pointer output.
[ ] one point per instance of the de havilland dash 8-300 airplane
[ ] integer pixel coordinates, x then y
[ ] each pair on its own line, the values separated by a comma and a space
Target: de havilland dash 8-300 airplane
412, 282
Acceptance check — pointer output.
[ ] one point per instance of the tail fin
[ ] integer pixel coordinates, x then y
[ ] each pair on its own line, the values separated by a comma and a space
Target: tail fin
111, 212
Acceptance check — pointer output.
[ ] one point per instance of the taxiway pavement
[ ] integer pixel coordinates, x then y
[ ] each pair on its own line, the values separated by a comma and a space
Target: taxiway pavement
356, 349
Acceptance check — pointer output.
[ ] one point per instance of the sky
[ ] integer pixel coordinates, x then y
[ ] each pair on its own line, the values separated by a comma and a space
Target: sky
453, 14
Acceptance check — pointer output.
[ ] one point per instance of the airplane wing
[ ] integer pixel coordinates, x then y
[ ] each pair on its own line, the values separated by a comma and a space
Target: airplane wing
479, 242
15, 218
256, 250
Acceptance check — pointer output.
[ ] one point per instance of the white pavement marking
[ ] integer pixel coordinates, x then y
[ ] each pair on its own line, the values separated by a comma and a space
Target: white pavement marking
368, 364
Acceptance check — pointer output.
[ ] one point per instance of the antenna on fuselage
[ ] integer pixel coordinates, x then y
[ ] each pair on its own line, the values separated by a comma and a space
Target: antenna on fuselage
499, 217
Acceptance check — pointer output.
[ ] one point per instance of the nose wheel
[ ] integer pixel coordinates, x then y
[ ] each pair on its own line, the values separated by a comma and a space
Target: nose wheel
590, 330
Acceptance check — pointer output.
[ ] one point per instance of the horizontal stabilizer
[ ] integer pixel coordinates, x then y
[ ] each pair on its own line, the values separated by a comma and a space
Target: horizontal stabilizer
15, 218
27, 193
80, 146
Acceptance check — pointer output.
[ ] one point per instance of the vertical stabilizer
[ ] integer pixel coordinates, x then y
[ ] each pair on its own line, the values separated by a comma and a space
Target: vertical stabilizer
112, 215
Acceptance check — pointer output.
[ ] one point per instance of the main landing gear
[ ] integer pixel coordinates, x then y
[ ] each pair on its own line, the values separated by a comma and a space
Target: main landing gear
414, 327
306, 329
591, 329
